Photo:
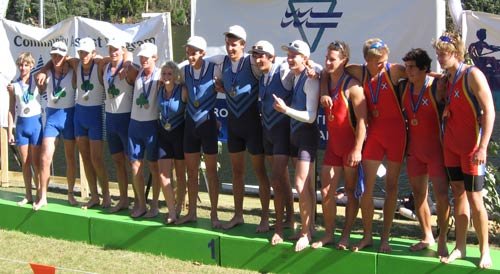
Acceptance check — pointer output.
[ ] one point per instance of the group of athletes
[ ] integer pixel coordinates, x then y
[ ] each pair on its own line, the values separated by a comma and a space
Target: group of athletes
440, 123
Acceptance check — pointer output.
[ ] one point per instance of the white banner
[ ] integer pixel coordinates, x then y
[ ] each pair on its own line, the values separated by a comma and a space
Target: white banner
482, 40
402, 24
17, 37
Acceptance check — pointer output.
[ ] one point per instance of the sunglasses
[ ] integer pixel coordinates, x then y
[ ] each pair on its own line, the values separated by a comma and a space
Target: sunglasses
59, 49
377, 45
337, 45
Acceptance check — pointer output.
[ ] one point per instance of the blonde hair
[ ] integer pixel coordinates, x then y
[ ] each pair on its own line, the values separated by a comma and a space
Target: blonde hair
175, 69
374, 47
452, 43
25, 57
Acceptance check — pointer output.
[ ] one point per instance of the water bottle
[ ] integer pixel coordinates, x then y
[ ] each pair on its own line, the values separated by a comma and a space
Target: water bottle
407, 213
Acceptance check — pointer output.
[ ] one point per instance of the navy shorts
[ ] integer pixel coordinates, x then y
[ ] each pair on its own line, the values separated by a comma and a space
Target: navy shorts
245, 132
277, 139
143, 138
171, 143
202, 138
305, 143
117, 132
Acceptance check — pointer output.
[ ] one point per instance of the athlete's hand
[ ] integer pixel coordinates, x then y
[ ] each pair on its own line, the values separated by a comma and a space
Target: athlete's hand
218, 85
326, 101
12, 140
10, 87
354, 158
41, 77
479, 156
279, 104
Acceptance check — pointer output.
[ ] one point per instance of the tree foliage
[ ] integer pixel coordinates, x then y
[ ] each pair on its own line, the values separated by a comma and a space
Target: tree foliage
26, 11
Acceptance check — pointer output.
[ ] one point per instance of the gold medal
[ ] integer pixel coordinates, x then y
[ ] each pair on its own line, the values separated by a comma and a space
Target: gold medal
446, 112
330, 117
86, 96
55, 100
146, 106
233, 93
414, 121
167, 126
196, 103
375, 113
26, 110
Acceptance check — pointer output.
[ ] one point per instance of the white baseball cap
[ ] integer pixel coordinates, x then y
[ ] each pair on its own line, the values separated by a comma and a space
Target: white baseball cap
86, 44
197, 42
298, 46
147, 50
116, 43
262, 46
60, 48
237, 31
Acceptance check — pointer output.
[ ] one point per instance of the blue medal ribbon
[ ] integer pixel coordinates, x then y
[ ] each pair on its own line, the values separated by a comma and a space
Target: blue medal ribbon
337, 86
268, 82
235, 75
452, 86
146, 92
415, 106
56, 86
86, 82
111, 77
377, 92
26, 93
165, 108
196, 82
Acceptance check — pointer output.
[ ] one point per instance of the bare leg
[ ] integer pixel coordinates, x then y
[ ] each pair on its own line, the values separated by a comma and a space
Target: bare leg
165, 169
47, 151
71, 168
213, 183
238, 169
26, 157
192, 165
279, 182
121, 174
138, 181
180, 172
440, 188
462, 215
390, 203
350, 178
302, 170
289, 201
419, 187
370, 168
97, 157
84, 148
480, 222
330, 176
154, 209
264, 190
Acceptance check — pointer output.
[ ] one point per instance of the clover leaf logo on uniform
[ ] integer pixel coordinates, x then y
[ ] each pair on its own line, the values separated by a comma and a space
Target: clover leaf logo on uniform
113, 91
141, 101
87, 85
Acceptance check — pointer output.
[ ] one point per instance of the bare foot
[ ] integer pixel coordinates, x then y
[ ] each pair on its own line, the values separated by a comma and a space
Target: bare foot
384, 246
277, 238
215, 222
485, 261
106, 202
290, 224
186, 219
71, 199
442, 249
170, 219
233, 222
327, 239
122, 205
298, 235
343, 243
138, 212
302, 243
455, 254
24, 201
420, 245
91, 203
40, 204
365, 242
153, 212
263, 226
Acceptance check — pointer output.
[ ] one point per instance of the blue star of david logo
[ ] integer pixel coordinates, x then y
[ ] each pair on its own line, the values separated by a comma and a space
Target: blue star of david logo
319, 20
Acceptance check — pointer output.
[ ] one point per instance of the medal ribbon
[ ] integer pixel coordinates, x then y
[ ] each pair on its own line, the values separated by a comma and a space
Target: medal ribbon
166, 107
377, 92
86, 81
26, 93
111, 77
268, 82
235, 75
196, 82
56, 86
452, 86
147, 91
415, 106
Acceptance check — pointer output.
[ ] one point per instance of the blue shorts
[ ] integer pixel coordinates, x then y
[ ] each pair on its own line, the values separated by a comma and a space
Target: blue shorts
171, 143
88, 122
143, 138
60, 121
117, 131
29, 130
204, 137
305, 142
277, 139
245, 132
